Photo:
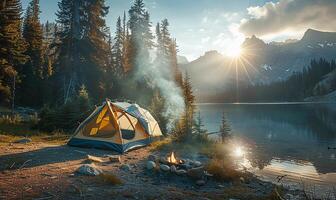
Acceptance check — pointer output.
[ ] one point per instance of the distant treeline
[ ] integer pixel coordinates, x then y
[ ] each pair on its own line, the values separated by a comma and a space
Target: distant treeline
297, 87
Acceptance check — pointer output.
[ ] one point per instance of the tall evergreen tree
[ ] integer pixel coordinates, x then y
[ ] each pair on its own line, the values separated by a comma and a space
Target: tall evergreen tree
140, 34
117, 50
12, 46
189, 100
83, 47
173, 63
95, 40
32, 72
69, 63
199, 129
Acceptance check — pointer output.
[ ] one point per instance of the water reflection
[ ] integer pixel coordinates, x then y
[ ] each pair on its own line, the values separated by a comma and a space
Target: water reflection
287, 138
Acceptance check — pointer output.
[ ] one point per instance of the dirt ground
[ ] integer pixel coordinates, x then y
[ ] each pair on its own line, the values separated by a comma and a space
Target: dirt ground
44, 171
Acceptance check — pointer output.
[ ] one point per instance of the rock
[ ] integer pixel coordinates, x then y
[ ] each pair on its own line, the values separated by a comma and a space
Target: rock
197, 164
114, 158
164, 168
150, 165
163, 160
89, 169
186, 166
94, 159
242, 180
23, 141
125, 167
200, 182
181, 172
152, 157
173, 169
196, 173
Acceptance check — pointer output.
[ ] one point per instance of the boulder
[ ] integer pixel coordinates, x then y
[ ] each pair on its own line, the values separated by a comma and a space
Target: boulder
200, 182
163, 160
197, 164
150, 165
196, 173
164, 168
125, 167
89, 169
23, 141
152, 157
181, 172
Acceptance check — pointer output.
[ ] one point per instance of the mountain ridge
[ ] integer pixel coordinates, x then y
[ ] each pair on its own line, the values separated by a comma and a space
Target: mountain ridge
261, 62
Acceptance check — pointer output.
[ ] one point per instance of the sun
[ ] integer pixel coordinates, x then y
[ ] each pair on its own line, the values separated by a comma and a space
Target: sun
234, 51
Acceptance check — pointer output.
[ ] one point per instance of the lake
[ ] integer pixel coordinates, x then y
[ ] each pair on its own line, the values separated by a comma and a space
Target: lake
282, 139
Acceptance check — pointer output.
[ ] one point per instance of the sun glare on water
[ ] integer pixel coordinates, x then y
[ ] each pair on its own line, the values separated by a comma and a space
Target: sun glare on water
238, 151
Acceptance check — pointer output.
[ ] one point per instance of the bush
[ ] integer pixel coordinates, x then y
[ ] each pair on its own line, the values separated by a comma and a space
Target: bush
11, 119
67, 116
223, 170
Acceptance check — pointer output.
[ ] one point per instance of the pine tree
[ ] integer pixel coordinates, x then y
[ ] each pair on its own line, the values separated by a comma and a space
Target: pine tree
157, 108
12, 46
173, 63
31, 74
140, 35
165, 40
189, 100
199, 129
158, 41
184, 127
83, 47
68, 49
95, 39
117, 50
225, 129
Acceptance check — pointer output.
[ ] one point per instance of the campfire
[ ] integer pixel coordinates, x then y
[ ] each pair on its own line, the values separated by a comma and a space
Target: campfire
172, 159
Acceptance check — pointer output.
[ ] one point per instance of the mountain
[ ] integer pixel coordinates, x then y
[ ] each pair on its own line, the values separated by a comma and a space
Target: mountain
260, 62
182, 60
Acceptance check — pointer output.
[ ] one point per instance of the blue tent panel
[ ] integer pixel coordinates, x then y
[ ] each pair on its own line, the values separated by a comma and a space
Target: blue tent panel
120, 148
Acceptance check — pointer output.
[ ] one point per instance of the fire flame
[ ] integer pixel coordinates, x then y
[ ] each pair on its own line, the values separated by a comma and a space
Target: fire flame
172, 159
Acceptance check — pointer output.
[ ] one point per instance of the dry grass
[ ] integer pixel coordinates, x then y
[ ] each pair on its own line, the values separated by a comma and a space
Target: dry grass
223, 170
160, 144
110, 179
12, 129
10, 119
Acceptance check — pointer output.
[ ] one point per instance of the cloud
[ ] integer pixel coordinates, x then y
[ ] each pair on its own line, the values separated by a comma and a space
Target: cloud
290, 16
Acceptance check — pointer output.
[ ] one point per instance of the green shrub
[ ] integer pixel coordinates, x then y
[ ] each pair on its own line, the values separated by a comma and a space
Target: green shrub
67, 116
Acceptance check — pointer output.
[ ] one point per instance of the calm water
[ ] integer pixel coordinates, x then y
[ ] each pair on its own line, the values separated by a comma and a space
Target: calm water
282, 139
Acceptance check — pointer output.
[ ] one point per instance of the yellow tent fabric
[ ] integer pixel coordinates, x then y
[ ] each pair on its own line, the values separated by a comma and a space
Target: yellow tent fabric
118, 126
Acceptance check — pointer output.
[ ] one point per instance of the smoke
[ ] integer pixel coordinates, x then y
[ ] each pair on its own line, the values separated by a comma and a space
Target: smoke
161, 77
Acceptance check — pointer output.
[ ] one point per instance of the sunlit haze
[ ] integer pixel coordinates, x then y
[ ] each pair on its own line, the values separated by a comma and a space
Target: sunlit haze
212, 25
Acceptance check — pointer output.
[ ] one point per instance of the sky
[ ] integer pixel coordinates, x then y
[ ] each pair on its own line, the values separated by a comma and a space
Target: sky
222, 25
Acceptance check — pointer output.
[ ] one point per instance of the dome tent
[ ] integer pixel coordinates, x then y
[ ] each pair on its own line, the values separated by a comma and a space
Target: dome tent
116, 126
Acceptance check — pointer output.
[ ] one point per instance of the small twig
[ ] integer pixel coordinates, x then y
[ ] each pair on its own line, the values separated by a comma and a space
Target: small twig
12, 165
279, 178
25, 163
277, 193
